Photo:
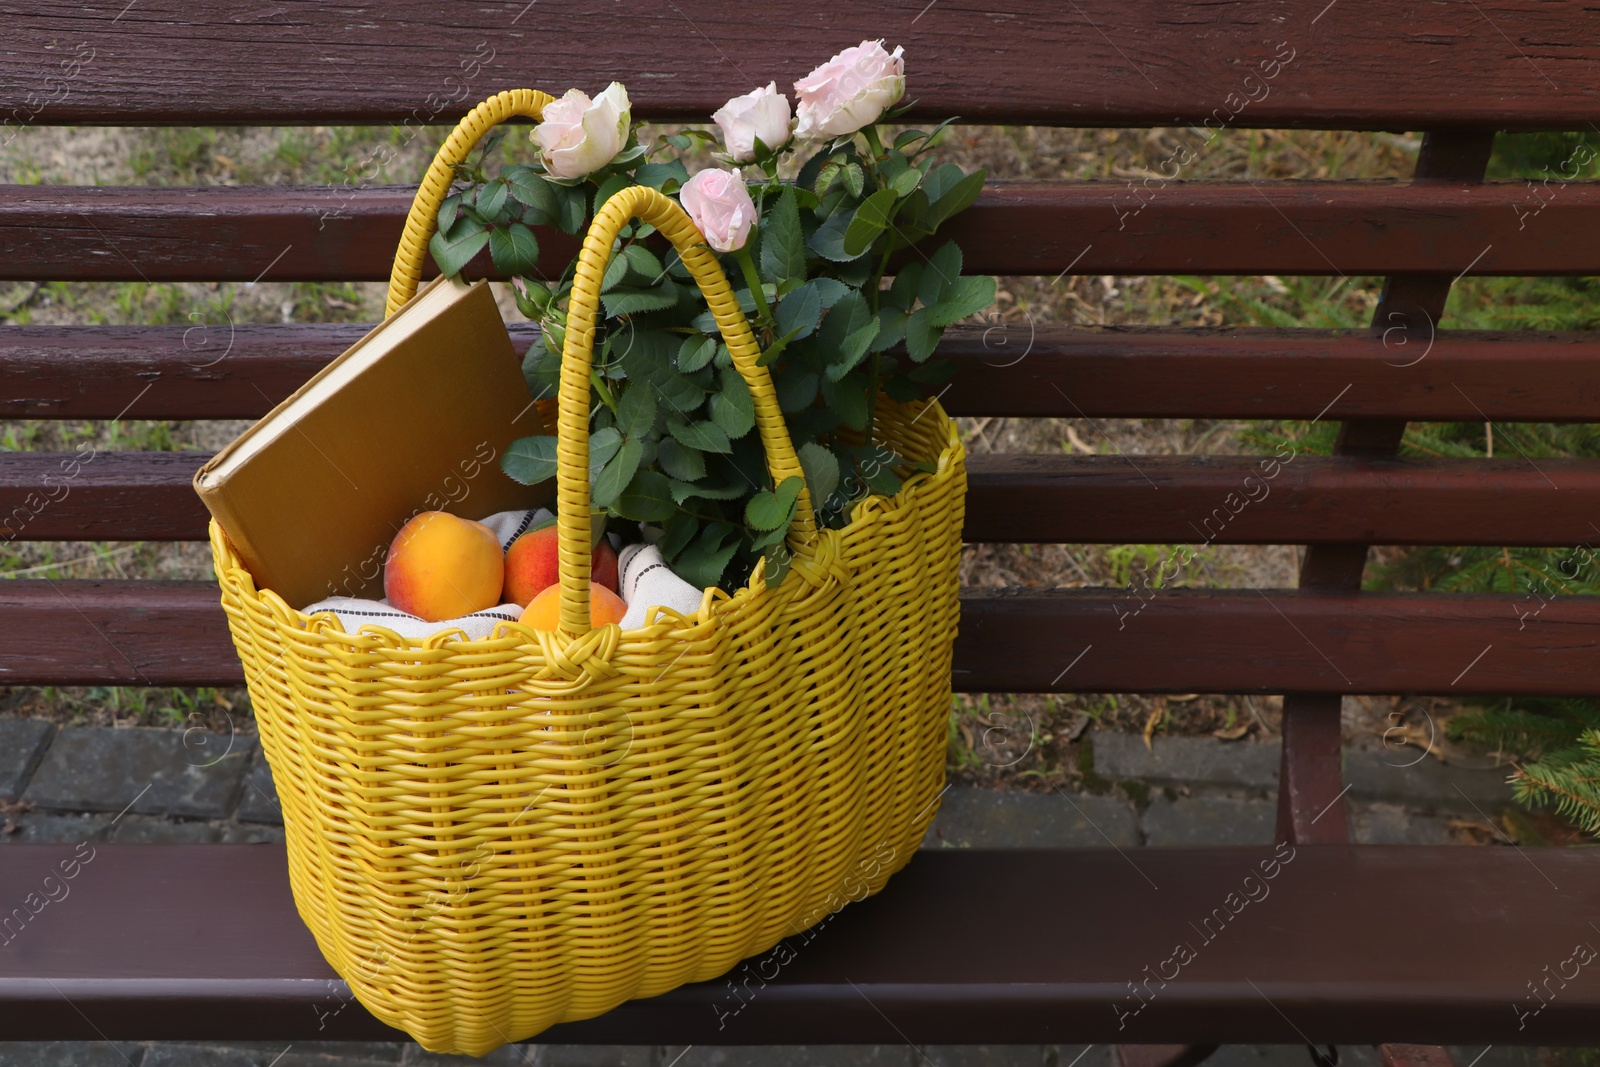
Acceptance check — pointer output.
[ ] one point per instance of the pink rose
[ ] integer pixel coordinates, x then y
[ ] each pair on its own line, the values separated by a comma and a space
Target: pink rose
849, 91
579, 136
721, 208
763, 114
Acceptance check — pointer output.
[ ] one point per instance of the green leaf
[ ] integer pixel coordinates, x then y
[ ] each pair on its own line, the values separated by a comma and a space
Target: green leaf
609, 188
921, 335
616, 474
956, 199
491, 198
940, 179
514, 249
574, 208
705, 436
696, 352
603, 444
831, 290
869, 220
828, 241
703, 562
667, 177
796, 390
934, 372
682, 491
800, 311
903, 293
530, 460
940, 274
616, 270
626, 300
733, 408
447, 213
846, 332
648, 359
768, 510
678, 532
906, 183
854, 178
648, 498
891, 329
453, 252
636, 410
967, 296
822, 471
680, 461
643, 265
531, 190
783, 251
847, 401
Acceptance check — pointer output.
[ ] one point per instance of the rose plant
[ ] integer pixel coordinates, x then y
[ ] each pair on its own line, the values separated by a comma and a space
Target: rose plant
671, 441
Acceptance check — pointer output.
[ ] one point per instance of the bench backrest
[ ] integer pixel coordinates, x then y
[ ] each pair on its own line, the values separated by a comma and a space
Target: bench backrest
1456, 72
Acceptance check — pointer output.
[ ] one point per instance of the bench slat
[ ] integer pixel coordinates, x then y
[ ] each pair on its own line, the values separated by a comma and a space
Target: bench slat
1105, 62
218, 371
1282, 498
1029, 641
1294, 960
220, 233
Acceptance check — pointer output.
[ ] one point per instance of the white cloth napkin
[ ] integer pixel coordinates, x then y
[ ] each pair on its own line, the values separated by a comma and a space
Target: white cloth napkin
646, 582
644, 577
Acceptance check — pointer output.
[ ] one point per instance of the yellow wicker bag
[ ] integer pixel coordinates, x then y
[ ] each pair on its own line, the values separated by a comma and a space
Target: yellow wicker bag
488, 837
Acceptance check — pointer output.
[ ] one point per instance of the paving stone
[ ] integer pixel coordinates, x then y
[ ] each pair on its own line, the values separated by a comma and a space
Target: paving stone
1496, 1056
69, 1053
998, 1056
41, 828
21, 742
260, 800
1265, 1056
154, 830
504, 1056
251, 834
1209, 821
157, 772
1391, 824
788, 1056
1402, 778
363, 1051
592, 1056
194, 1054
986, 818
1186, 759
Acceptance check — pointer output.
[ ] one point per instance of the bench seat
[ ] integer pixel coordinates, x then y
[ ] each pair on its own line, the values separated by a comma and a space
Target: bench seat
1332, 944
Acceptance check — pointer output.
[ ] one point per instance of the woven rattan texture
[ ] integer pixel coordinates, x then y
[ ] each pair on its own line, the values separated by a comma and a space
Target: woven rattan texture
490, 837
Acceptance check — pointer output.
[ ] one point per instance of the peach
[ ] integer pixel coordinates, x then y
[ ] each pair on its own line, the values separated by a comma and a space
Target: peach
441, 566
532, 565
544, 611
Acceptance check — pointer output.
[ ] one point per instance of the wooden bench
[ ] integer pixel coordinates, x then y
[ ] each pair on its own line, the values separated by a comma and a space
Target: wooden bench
1316, 941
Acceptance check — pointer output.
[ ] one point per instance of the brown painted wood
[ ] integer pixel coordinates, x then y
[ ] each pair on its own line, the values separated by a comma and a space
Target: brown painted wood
132, 950
1093, 641
1311, 793
1503, 63
1193, 500
245, 233
223, 370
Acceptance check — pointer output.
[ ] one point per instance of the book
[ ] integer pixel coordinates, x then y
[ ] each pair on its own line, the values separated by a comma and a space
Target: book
413, 417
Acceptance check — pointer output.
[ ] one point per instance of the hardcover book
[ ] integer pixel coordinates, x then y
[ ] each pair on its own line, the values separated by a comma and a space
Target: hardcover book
414, 417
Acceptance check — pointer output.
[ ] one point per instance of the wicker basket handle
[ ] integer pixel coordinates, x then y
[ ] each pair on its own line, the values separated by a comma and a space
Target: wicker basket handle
572, 450
413, 250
